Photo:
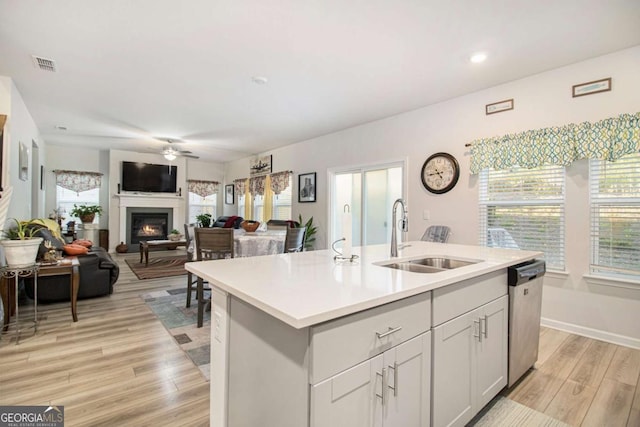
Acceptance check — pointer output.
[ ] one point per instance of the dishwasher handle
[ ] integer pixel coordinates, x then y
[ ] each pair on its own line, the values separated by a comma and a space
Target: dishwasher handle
522, 273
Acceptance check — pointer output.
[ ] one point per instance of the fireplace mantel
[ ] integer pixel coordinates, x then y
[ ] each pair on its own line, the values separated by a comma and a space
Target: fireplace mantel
171, 201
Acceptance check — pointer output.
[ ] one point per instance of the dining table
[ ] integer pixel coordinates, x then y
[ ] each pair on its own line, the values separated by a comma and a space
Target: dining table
246, 244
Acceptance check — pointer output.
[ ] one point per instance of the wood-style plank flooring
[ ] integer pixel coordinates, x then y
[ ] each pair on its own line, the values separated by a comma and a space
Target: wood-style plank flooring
119, 366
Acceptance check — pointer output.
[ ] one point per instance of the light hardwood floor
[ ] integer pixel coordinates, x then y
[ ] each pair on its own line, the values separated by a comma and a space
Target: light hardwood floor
119, 366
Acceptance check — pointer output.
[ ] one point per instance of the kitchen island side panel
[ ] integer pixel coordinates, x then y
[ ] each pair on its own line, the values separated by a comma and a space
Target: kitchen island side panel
268, 370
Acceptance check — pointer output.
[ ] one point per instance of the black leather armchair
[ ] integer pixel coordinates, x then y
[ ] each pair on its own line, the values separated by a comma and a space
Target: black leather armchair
98, 273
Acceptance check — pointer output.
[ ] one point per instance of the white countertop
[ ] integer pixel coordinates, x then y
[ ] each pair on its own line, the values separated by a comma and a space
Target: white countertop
307, 288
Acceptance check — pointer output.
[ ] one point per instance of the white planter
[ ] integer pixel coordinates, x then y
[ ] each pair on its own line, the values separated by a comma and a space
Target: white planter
21, 253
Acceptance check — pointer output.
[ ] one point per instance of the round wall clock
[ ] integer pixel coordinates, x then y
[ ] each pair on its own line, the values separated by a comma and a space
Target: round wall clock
440, 173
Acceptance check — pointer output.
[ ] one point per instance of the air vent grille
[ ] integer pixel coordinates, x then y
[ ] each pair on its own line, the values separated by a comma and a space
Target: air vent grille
44, 63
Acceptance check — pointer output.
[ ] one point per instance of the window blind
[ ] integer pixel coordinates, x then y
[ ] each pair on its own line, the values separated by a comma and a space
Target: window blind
524, 209
615, 216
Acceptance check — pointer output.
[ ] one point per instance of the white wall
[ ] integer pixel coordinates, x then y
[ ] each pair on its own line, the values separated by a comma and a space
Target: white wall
20, 127
541, 100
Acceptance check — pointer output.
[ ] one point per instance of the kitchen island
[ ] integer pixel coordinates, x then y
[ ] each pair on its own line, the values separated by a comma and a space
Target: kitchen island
302, 340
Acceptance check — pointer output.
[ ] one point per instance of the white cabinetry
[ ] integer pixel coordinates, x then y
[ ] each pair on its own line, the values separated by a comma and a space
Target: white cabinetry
391, 389
469, 362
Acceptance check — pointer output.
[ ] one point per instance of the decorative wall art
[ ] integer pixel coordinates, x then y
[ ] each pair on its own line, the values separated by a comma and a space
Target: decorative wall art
499, 107
24, 162
260, 166
228, 194
589, 88
307, 187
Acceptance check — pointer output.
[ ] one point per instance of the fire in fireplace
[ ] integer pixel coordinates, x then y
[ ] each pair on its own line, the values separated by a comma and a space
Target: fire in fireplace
148, 226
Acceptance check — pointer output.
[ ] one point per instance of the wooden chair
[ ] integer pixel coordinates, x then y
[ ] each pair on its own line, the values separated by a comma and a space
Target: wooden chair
294, 241
189, 236
210, 244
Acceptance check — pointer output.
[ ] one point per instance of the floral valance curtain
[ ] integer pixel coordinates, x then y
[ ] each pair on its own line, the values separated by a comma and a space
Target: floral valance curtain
607, 139
240, 185
77, 180
202, 188
257, 184
280, 181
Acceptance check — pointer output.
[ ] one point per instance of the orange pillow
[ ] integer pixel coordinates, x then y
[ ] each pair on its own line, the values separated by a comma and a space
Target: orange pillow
72, 249
83, 242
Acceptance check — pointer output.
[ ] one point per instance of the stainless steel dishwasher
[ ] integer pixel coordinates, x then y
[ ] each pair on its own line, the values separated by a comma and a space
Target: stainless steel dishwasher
525, 304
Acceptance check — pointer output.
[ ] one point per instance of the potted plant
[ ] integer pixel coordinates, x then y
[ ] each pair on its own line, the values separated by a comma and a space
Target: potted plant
174, 235
204, 220
310, 234
21, 245
86, 213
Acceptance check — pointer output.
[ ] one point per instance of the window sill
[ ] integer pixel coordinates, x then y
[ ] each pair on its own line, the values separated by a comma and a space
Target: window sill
557, 274
612, 281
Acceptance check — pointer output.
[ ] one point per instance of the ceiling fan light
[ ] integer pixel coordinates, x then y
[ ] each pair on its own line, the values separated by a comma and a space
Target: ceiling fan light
169, 156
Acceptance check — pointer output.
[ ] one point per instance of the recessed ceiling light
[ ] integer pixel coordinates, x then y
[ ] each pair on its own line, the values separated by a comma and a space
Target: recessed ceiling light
478, 57
259, 80
61, 127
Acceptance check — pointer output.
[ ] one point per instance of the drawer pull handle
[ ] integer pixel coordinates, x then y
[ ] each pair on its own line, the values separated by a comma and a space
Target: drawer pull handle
486, 326
479, 329
389, 332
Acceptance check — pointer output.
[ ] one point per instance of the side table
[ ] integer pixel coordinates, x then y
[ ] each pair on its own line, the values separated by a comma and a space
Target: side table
10, 295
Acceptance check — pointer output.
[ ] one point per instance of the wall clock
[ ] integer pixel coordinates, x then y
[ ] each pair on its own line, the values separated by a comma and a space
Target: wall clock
440, 173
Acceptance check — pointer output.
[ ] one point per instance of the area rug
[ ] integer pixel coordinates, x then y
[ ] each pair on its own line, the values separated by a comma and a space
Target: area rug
180, 322
159, 267
503, 412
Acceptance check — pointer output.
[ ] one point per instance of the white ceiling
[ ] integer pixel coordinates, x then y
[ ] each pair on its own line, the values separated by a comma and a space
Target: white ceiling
132, 71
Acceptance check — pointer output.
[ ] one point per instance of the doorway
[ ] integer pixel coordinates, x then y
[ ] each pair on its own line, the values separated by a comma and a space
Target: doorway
369, 193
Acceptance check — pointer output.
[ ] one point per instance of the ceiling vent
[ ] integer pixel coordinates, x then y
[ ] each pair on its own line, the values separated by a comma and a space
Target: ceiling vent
44, 63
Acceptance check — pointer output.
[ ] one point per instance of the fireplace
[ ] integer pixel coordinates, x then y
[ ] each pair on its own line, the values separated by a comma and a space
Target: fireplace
148, 224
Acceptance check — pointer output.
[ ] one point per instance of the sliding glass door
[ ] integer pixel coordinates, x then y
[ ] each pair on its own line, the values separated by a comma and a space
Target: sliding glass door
369, 193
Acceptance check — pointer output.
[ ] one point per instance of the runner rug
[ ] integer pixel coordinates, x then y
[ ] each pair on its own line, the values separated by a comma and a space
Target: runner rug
158, 267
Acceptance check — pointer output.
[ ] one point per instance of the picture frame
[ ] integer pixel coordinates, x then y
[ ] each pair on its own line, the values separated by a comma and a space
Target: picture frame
229, 194
499, 107
23, 160
589, 88
260, 166
307, 189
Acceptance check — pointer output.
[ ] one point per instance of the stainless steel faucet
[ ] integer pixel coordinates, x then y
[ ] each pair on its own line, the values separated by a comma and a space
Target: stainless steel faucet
404, 222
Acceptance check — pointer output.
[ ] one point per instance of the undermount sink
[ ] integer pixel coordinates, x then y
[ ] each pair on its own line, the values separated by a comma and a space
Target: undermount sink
430, 265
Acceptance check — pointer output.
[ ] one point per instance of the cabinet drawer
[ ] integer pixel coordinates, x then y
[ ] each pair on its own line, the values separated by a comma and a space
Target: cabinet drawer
456, 299
339, 344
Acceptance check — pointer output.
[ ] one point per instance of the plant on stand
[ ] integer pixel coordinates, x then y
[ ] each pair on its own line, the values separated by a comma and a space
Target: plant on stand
175, 235
204, 220
21, 245
86, 213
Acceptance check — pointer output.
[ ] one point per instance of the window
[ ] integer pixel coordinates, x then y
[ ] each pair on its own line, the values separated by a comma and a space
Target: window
201, 205
615, 216
67, 198
524, 208
258, 208
282, 204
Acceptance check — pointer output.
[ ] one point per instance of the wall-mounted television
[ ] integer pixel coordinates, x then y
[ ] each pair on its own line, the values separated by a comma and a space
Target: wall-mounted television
148, 177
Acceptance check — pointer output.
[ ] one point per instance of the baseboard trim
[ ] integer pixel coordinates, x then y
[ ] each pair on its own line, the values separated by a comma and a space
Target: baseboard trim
592, 333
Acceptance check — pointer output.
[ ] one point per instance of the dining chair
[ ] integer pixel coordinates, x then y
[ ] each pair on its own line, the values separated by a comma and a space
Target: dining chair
436, 233
498, 237
189, 236
294, 240
210, 244
277, 224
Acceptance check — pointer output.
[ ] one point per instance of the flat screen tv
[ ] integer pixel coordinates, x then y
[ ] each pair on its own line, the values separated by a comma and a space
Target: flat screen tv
148, 178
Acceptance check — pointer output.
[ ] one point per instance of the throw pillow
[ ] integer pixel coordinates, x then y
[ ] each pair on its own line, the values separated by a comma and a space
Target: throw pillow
72, 249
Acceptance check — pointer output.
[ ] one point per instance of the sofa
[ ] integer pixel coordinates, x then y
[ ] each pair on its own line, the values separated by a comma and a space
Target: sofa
98, 272
228, 221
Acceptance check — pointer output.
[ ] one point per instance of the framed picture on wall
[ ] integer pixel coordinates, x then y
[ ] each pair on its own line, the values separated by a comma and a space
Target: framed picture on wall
23, 160
307, 187
228, 194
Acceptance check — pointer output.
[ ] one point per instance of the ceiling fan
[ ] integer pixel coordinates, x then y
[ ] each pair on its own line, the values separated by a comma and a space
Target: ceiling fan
170, 152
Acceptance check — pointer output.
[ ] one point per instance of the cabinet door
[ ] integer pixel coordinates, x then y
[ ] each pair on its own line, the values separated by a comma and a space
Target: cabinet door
350, 398
408, 369
491, 363
453, 382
